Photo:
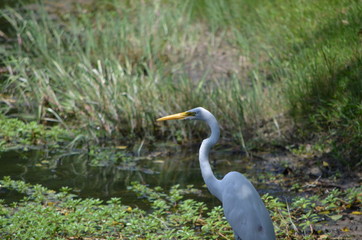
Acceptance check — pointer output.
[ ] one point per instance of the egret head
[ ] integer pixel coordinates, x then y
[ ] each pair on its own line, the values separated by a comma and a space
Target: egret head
192, 114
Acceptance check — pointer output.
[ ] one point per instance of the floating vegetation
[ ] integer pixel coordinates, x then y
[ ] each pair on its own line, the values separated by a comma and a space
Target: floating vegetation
46, 214
16, 133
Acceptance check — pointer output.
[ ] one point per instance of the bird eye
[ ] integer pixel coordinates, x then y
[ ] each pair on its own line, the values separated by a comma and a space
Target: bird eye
190, 114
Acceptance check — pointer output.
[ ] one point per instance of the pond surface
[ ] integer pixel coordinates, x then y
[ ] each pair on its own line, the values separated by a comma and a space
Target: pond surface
163, 167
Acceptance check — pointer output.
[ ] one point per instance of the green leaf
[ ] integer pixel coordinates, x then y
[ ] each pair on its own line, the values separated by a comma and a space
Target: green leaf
336, 217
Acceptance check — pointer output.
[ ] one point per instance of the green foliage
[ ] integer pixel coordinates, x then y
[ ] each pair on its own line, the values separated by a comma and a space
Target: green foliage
46, 214
14, 132
109, 156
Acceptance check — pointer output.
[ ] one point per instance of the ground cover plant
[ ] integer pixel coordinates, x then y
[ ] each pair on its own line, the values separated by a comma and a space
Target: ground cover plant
15, 133
46, 214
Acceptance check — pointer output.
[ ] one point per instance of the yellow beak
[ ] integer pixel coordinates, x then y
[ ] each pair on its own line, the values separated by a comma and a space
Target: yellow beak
176, 116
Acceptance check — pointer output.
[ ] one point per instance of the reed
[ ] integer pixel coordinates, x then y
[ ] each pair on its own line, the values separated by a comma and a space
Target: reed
115, 66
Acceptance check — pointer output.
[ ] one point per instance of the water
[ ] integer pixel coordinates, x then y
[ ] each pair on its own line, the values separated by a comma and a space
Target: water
163, 167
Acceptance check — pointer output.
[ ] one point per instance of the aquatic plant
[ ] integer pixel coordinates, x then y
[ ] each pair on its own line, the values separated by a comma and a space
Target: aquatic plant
47, 214
17, 133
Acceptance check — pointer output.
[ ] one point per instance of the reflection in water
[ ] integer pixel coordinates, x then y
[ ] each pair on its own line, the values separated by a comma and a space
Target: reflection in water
55, 170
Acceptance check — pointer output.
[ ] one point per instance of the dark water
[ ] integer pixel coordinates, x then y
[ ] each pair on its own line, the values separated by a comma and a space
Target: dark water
154, 168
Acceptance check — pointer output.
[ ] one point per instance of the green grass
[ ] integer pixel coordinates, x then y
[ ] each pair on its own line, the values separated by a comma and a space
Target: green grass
47, 214
118, 67
113, 67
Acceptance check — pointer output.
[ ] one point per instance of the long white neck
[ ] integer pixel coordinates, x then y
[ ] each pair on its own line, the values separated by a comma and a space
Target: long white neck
212, 183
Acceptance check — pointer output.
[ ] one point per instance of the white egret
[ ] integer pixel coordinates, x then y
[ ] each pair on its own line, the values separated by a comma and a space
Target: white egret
243, 207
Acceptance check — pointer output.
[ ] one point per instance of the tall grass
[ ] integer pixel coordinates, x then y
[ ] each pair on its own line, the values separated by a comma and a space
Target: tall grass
121, 68
311, 51
118, 65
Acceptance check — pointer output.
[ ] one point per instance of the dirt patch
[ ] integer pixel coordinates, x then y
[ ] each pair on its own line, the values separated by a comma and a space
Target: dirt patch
348, 227
316, 174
